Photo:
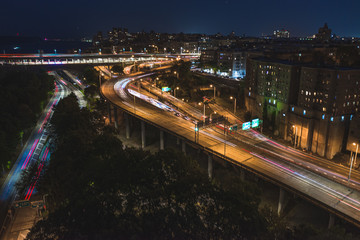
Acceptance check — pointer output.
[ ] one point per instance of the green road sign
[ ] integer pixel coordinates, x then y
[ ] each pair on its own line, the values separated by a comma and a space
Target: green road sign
234, 127
246, 125
165, 89
255, 123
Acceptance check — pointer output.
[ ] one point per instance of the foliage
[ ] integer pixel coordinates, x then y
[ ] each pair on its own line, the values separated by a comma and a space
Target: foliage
118, 69
97, 189
91, 76
22, 95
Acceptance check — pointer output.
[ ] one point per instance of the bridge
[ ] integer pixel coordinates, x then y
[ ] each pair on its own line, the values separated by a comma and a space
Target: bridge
92, 58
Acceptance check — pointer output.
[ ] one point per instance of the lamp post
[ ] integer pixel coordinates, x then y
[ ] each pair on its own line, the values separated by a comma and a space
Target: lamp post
234, 103
177, 88
356, 152
214, 89
295, 135
352, 159
211, 115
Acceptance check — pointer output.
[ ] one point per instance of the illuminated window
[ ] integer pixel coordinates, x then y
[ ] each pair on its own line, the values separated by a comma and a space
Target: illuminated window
332, 119
304, 112
292, 109
342, 118
323, 116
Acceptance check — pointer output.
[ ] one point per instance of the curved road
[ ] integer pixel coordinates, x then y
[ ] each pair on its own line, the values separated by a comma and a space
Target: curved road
337, 196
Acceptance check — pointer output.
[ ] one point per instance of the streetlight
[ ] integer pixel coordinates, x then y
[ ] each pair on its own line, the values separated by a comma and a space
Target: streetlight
177, 88
211, 115
295, 135
214, 89
234, 103
352, 159
357, 148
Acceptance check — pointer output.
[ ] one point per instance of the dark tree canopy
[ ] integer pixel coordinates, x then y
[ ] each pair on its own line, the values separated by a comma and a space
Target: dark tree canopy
23, 94
99, 190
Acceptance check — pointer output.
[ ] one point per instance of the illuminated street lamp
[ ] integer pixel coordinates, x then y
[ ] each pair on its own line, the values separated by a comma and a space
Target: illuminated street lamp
295, 135
352, 159
177, 88
211, 115
234, 103
214, 89
176, 73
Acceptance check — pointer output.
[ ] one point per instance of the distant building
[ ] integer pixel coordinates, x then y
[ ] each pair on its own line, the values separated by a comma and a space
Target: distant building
281, 33
238, 69
98, 39
324, 33
230, 63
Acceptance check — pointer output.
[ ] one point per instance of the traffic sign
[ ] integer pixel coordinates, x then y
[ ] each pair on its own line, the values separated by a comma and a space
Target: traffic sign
255, 123
165, 89
246, 125
234, 127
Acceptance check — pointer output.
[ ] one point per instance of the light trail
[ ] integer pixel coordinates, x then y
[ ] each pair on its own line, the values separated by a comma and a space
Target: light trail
30, 154
329, 191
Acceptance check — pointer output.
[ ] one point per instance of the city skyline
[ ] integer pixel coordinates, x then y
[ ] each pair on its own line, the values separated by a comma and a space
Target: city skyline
255, 18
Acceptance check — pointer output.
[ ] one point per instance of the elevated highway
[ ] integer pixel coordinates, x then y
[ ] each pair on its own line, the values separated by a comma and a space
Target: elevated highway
93, 58
341, 198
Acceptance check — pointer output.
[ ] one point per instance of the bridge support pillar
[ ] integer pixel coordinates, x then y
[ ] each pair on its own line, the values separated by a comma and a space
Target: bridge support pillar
210, 166
143, 136
127, 126
162, 143
115, 117
109, 110
282, 201
331, 220
177, 141
183, 147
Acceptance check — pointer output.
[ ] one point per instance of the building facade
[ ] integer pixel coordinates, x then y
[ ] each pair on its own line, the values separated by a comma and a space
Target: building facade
313, 107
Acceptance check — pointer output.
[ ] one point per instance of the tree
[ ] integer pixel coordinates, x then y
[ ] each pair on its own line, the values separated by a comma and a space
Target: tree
99, 190
23, 95
118, 69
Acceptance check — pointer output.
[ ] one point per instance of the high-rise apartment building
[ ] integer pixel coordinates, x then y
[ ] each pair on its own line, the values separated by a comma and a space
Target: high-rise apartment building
311, 106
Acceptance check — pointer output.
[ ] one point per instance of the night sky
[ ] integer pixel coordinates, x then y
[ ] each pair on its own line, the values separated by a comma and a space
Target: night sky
83, 18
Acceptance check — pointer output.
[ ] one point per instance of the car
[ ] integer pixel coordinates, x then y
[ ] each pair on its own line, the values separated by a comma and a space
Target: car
177, 114
186, 117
